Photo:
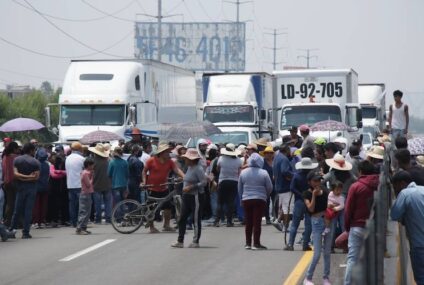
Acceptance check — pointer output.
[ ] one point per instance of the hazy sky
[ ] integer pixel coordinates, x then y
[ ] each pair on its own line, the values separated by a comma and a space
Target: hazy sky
383, 40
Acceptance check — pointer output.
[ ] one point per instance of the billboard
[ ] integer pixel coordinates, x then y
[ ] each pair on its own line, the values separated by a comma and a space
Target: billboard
195, 46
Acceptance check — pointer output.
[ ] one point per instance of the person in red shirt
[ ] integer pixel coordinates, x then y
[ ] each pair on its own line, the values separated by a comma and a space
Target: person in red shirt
156, 172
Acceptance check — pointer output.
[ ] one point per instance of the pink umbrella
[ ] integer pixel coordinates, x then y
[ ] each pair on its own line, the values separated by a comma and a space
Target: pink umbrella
99, 136
329, 125
21, 124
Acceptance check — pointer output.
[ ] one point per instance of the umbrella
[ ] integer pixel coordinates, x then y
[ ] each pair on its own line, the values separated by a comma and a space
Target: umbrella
99, 136
416, 146
21, 124
185, 131
329, 125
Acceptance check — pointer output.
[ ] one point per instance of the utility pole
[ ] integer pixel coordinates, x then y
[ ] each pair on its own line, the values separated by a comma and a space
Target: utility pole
238, 3
159, 17
275, 34
308, 57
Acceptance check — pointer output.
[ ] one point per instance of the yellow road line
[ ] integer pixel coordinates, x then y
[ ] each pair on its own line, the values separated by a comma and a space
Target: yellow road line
299, 270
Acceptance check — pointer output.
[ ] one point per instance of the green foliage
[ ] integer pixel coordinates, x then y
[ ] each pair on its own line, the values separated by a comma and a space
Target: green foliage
29, 106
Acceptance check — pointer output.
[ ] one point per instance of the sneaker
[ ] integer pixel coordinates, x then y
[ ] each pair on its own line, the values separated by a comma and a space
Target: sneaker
154, 230
307, 282
87, 232
194, 245
26, 236
177, 244
307, 248
168, 229
259, 247
326, 231
326, 281
247, 246
278, 226
288, 248
81, 232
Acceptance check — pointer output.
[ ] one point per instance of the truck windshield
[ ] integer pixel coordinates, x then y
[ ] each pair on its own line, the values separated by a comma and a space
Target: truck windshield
221, 114
369, 112
299, 115
230, 137
92, 115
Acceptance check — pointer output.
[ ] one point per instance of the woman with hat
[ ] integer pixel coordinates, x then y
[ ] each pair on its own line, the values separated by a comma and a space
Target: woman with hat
156, 171
229, 166
101, 183
193, 194
254, 188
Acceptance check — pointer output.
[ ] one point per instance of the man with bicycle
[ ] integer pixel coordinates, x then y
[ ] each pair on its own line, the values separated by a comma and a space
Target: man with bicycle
155, 173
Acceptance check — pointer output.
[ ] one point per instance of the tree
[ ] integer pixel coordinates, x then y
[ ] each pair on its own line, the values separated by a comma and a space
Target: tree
46, 88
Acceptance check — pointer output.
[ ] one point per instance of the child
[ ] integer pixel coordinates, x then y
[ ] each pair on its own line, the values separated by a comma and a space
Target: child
85, 197
334, 206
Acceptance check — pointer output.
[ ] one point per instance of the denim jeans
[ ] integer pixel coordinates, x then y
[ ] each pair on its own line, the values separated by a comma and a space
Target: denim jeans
318, 227
299, 211
24, 203
417, 261
397, 133
73, 195
105, 198
119, 194
214, 202
356, 237
239, 208
1, 204
339, 220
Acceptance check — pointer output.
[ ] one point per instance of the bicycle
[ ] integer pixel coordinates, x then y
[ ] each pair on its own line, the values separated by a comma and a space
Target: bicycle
129, 215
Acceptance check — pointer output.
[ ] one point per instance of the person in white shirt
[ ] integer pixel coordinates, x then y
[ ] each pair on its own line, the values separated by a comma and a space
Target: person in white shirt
398, 116
74, 165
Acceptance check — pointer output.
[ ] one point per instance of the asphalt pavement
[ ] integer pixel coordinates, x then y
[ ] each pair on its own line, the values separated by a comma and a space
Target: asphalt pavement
59, 256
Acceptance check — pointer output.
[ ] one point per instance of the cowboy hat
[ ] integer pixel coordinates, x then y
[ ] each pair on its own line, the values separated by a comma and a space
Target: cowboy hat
384, 138
192, 154
230, 150
306, 163
262, 142
420, 160
99, 149
338, 162
269, 149
376, 152
162, 147
252, 146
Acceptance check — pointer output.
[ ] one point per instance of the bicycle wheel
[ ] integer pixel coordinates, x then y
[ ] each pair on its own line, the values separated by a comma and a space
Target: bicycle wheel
127, 216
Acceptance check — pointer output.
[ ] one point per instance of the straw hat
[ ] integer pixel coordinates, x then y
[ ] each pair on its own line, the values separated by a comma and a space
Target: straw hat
384, 138
376, 152
306, 163
252, 146
262, 142
230, 150
269, 149
338, 162
99, 149
162, 147
192, 154
420, 160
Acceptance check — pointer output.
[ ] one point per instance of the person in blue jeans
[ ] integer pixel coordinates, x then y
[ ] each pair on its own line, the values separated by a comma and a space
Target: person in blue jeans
26, 173
118, 172
299, 184
409, 209
316, 199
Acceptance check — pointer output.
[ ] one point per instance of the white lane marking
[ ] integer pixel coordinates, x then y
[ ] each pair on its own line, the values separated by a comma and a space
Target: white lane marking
87, 250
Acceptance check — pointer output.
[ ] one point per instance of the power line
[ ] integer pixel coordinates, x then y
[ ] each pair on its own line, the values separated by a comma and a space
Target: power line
204, 10
175, 7
74, 20
275, 34
107, 14
188, 11
61, 56
70, 36
308, 57
29, 75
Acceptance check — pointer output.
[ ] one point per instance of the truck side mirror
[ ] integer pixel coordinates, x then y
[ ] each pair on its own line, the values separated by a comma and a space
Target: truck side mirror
359, 125
262, 114
47, 117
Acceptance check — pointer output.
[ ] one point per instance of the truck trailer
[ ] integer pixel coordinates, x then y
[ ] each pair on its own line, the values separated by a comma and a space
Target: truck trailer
116, 95
372, 97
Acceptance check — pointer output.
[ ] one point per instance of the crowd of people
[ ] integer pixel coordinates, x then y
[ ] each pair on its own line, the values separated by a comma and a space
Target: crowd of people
322, 183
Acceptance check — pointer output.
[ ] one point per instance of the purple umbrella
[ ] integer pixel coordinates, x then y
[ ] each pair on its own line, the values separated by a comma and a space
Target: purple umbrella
21, 124
329, 125
416, 146
99, 136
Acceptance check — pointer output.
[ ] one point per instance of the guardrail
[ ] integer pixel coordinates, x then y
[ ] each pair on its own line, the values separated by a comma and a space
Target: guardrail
369, 268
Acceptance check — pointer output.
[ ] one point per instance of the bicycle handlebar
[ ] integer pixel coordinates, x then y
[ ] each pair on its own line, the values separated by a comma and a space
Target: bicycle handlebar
173, 182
